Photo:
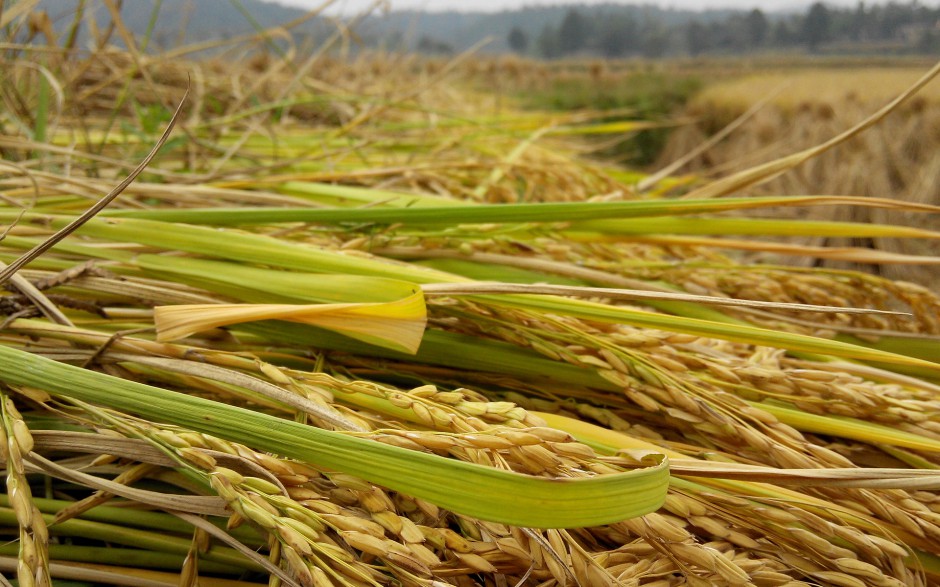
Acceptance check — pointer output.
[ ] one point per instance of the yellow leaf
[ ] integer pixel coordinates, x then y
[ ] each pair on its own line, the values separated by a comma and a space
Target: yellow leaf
397, 325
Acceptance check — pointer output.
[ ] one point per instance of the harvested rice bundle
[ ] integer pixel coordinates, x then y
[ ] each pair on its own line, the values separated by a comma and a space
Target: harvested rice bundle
429, 345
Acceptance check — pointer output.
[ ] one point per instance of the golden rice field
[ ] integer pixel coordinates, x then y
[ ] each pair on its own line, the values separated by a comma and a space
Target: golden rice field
804, 87
344, 321
795, 109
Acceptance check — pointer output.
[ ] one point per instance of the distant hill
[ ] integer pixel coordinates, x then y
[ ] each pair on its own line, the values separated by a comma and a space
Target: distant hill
187, 21
461, 30
630, 30
604, 30
184, 21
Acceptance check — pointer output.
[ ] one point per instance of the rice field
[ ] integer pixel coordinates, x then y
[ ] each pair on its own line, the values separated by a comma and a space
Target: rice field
307, 318
805, 87
804, 107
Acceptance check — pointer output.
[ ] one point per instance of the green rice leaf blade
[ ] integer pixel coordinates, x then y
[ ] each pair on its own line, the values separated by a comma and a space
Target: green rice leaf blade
465, 488
484, 213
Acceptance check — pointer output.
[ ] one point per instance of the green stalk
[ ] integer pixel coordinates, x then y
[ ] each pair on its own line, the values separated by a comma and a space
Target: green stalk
136, 518
42, 111
748, 227
848, 428
484, 213
127, 557
119, 534
113, 515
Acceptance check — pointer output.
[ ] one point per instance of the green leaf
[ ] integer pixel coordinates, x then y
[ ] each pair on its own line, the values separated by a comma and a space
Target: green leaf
465, 488
259, 285
750, 227
492, 213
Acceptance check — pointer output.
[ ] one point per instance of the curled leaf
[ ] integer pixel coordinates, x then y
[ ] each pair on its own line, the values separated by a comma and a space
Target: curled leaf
397, 325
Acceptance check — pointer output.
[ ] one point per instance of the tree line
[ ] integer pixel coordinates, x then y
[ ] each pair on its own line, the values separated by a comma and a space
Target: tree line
890, 28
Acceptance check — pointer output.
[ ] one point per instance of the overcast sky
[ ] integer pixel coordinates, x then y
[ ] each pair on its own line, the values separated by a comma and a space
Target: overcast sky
355, 6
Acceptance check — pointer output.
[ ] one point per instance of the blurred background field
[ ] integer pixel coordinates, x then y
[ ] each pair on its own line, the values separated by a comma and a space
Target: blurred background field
804, 106
797, 102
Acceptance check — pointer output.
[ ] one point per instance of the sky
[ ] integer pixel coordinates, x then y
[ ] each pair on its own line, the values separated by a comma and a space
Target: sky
356, 6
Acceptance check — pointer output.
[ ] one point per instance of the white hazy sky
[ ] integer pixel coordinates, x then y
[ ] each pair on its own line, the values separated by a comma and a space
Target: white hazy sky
355, 6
